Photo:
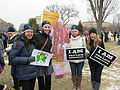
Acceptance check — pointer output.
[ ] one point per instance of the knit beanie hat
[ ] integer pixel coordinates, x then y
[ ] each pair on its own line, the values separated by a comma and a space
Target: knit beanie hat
11, 29
92, 30
74, 27
27, 27
45, 22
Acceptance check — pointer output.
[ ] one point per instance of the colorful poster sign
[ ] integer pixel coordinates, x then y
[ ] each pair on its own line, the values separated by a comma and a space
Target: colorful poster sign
50, 16
42, 58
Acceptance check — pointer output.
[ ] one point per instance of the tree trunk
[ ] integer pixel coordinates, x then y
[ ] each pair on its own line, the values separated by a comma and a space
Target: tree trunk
99, 28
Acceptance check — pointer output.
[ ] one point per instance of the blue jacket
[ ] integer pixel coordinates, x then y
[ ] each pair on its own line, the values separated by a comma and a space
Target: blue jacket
19, 59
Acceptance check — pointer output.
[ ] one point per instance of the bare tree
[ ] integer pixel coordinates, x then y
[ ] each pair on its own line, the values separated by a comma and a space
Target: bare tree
101, 9
66, 12
116, 22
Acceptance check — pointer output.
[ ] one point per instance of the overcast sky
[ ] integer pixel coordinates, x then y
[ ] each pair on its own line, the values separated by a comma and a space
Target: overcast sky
19, 11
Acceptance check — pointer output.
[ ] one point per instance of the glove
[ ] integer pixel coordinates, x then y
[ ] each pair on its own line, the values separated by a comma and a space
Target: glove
87, 53
9, 48
31, 59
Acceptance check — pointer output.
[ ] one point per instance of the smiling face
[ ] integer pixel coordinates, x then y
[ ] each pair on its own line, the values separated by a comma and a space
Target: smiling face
93, 36
29, 34
74, 32
47, 28
10, 34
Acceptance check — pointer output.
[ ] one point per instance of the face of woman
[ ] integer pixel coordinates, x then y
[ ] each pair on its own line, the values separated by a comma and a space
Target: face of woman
93, 36
47, 28
10, 34
29, 34
74, 32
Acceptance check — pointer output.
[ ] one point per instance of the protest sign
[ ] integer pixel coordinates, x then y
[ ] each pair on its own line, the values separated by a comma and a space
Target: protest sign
42, 58
75, 53
50, 16
102, 56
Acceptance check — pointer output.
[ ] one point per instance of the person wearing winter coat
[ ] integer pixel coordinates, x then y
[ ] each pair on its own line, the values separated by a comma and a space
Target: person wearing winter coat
44, 43
12, 35
76, 41
2, 63
95, 67
20, 58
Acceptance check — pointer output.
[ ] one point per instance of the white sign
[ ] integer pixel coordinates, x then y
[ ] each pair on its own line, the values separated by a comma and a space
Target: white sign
42, 58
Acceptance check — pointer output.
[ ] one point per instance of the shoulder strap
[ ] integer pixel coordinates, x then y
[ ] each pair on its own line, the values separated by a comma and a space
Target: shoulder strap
44, 44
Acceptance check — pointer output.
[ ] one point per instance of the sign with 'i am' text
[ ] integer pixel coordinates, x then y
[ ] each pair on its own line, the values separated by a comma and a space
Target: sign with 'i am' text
102, 56
75, 53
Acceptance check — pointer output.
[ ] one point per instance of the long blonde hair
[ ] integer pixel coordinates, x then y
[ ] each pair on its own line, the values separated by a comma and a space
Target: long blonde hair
97, 42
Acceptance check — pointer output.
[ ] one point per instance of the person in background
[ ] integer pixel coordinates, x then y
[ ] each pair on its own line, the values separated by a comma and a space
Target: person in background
102, 36
2, 64
44, 43
109, 35
76, 41
95, 67
118, 36
20, 58
12, 35
114, 35
4, 37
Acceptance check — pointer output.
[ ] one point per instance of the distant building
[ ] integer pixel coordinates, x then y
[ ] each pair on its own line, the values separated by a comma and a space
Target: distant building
4, 25
89, 24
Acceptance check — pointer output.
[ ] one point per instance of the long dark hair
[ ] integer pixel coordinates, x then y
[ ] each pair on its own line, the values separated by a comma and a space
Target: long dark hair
27, 42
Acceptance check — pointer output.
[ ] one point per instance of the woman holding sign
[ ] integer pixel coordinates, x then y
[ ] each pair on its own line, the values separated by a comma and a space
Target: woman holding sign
76, 41
95, 68
44, 43
20, 58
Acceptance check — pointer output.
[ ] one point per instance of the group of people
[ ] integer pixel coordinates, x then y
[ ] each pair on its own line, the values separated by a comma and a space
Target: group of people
21, 47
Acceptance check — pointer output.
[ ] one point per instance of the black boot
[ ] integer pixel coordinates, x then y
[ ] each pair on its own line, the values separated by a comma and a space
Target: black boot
93, 85
48, 82
97, 86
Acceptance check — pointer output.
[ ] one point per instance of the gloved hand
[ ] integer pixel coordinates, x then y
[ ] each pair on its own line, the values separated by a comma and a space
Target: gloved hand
87, 53
31, 59
9, 47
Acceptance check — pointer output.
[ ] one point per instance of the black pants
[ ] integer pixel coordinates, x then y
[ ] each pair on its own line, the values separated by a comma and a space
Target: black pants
44, 82
96, 71
28, 84
16, 84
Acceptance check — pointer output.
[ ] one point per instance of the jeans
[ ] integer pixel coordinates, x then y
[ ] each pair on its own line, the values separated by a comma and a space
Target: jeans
76, 68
